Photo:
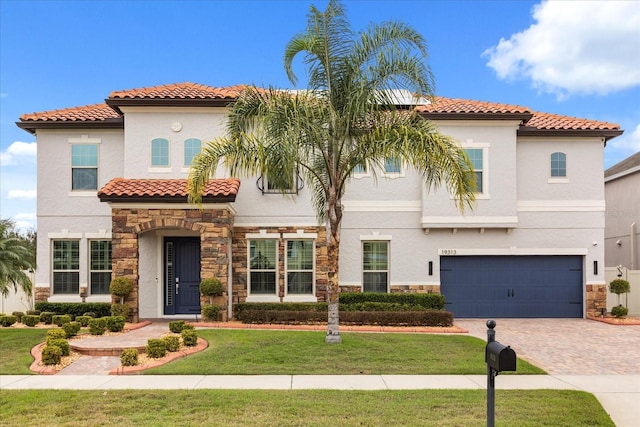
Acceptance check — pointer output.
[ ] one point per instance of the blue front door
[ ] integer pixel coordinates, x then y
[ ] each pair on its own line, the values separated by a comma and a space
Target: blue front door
182, 275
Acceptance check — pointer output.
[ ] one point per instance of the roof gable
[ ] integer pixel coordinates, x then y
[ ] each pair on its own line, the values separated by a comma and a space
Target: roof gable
166, 190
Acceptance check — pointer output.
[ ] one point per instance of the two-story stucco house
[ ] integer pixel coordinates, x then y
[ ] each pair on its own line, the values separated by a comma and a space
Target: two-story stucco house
112, 202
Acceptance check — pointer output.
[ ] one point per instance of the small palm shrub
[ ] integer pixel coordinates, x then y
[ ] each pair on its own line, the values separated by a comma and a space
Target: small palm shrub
51, 355
172, 343
55, 334
176, 326
46, 317
60, 319
97, 326
71, 329
115, 323
61, 343
156, 348
30, 320
189, 337
129, 357
211, 312
7, 321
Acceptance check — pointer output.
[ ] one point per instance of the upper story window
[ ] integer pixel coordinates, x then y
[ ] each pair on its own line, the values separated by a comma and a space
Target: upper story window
100, 266
262, 266
160, 152
360, 169
375, 266
392, 166
84, 166
192, 147
558, 165
299, 266
66, 266
267, 186
476, 157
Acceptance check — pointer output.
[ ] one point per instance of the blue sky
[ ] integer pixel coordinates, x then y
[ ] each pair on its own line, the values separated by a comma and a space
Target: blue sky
573, 58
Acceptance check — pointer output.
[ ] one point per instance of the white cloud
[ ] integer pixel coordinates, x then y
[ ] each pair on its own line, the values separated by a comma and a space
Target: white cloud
629, 143
18, 150
22, 194
575, 47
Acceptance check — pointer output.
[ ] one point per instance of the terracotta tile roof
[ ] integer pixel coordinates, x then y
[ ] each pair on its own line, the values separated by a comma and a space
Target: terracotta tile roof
460, 106
555, 121
166, 190
185, 90
96, 112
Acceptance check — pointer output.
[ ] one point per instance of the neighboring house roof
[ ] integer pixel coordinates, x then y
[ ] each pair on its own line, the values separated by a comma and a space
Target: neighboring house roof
166, 190
183, 94
626, 167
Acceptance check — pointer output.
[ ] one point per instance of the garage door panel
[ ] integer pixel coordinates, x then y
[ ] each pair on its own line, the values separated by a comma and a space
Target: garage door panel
512, 286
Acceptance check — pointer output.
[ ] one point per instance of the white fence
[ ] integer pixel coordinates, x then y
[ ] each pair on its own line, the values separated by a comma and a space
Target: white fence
632, 299
17, 301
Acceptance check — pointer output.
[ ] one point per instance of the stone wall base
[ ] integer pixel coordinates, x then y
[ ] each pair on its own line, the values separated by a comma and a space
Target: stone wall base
41, 294
596, 300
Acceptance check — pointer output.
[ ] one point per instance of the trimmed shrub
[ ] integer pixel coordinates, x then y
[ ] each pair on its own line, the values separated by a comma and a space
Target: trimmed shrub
18, 315
428, 301
7, 321
97, 326
71, 329
60, 319
121, 287
176, 326
189, 337
75, 309
61, 343
115, 323
211, 312
188, 326
619, 311
46, 317
156, 348
33, 312
83, 320
90, 314
172, 343
129, 357
51, 355
55, 334
120, 310
30, 320
211, 287
619, 286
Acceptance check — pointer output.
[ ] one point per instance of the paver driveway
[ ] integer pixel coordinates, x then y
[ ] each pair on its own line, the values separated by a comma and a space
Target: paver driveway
567, 346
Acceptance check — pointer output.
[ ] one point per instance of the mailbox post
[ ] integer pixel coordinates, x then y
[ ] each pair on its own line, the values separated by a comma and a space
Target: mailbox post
498, 358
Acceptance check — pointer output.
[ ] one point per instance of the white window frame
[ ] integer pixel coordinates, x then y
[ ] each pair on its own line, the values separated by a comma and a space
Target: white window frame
185, 166
393, 175
300, 235
87, 167
484, 146
64, 270
263, 235
388, 269
560, 179
91, 270
160, 168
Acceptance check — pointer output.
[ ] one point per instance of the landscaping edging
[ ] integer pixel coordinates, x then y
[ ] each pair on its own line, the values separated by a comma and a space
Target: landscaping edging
323, 327
131, 370
627, 321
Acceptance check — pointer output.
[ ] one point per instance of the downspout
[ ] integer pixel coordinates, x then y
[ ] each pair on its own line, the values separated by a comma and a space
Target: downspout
230, 277
633, 249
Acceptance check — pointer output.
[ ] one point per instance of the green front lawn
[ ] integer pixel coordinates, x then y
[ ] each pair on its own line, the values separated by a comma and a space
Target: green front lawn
280, 408
15, 349
251, 352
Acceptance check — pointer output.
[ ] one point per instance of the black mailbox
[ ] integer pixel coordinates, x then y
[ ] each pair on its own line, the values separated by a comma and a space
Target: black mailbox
500, 357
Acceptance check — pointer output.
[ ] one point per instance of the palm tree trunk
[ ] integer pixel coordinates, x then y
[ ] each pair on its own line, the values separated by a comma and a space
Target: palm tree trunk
334, 218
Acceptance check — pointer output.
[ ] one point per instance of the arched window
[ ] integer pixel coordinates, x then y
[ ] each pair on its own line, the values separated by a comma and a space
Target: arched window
558, 165
160, 152
192, 147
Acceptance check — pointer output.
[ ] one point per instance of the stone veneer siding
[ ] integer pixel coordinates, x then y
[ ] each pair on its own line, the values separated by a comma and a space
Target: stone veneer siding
214, 227
41, 294
240, 248
596, 300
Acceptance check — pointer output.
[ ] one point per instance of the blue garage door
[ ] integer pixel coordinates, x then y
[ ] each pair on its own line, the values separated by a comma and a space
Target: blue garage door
512, 286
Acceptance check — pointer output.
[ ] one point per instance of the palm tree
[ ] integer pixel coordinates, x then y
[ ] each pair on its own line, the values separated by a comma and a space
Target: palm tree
344, 120
15, 258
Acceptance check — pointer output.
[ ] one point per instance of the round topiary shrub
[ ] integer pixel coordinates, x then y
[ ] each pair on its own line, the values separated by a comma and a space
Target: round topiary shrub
176, 326
62, 343
189, 337
120, 310
156, 348
55, 334
97, 326
172, 343
83, 320
211, 287
7, 321
121, 287
51, 355
71, 329
619, 311
129, 357
211, 312
18, 315
115, 323
30, 320
60, 319
46, 317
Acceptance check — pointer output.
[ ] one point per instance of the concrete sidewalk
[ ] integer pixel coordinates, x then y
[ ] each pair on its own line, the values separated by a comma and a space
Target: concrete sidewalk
618, 394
